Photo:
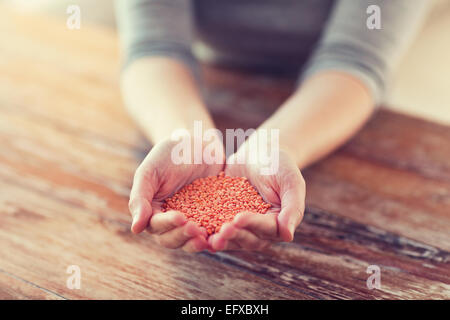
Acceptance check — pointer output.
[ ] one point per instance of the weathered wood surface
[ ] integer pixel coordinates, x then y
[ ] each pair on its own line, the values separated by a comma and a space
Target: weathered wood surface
68, 152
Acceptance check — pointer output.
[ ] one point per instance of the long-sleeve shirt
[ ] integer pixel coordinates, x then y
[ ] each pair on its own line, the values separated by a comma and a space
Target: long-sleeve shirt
334, 34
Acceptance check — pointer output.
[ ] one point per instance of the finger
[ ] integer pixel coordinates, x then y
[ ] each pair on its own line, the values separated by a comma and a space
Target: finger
196, 244
264, 226
218, 241
232, 245
222, 245
177, 237
247, 240
165, 221
292, 190
244, 238
141, 196
141, 211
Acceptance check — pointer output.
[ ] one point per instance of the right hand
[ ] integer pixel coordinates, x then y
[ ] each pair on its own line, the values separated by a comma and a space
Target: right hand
284, 189
158, 178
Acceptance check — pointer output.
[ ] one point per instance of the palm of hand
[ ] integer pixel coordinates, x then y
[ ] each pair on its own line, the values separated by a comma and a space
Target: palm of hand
156, 179
284, 190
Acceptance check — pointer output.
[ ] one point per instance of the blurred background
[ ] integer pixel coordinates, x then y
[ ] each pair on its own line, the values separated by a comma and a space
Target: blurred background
420, 87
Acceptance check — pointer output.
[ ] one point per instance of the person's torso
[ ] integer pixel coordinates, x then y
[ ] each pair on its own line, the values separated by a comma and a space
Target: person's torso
258, 32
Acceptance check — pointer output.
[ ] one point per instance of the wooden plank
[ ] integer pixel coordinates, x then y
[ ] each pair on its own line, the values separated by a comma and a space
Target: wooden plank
330, 256
405, 143
44, 235
328, 245
13, 288
301, 262
63, 68
392, 199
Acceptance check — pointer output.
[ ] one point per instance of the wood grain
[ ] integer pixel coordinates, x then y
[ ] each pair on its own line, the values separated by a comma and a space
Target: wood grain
68, 152
13, 288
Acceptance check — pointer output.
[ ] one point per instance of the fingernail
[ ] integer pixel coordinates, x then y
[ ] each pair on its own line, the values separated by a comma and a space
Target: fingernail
292, 227
223, 246
190, 232
218, 243
201, 244
135, 217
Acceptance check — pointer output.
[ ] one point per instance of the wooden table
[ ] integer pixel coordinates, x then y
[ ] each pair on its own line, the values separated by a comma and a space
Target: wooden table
68, 152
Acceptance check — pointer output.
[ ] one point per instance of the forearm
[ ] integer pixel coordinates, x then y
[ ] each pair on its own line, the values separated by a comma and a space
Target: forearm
161, 96
321, 115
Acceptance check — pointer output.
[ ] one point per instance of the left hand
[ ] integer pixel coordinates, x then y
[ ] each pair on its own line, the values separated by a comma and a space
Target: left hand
284, 190
156, 179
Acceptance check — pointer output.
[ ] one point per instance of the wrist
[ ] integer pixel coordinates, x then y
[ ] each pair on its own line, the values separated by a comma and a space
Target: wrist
260, 151
198, 146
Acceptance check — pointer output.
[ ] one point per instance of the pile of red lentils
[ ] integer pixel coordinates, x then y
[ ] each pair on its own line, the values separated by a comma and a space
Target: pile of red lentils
214, 200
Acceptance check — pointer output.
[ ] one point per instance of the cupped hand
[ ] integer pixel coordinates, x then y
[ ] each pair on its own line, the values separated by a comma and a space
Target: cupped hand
284, 190
157, 178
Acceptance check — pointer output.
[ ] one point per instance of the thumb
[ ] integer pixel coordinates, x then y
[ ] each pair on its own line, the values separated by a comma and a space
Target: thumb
141, 211
141, 195
292, 207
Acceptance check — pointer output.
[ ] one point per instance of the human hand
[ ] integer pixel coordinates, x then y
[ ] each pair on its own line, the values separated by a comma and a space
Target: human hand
284, 190
158, 178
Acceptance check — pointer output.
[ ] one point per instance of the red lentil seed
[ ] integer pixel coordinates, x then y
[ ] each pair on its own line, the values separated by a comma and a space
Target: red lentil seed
214, 200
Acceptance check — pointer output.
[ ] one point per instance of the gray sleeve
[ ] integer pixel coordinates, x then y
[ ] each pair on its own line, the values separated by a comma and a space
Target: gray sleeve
348, 45
156, 28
